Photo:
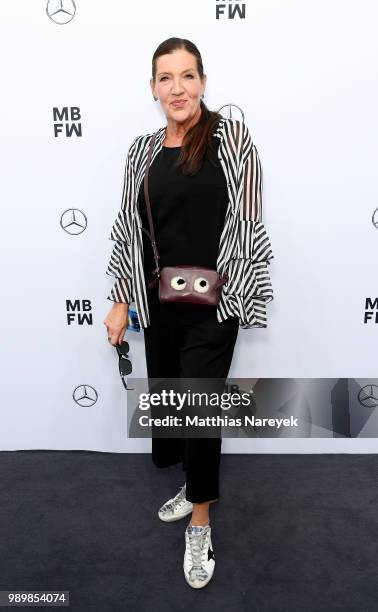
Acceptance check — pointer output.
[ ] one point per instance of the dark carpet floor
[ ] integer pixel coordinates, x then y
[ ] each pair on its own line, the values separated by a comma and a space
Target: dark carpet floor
290, 532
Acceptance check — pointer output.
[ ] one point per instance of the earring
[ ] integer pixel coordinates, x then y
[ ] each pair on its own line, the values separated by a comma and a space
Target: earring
154, 98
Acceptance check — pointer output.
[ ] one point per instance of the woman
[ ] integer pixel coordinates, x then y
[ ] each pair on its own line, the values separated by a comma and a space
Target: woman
205, 185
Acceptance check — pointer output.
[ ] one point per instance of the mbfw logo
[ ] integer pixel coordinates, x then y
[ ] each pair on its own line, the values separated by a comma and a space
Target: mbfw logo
371, 310
231, 9
73, 221
61, 11
66, 121
85, 395
79, 311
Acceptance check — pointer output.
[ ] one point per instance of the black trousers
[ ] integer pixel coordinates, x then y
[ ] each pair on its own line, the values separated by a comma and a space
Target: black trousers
186, 341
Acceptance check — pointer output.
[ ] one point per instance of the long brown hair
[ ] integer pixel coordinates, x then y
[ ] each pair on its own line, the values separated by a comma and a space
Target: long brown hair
198, 138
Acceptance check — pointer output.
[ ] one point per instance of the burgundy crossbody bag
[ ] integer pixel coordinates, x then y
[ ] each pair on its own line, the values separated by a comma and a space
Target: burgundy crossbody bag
186, 283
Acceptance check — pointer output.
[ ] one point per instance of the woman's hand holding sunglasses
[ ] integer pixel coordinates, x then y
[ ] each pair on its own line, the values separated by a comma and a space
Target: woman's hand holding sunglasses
116, 322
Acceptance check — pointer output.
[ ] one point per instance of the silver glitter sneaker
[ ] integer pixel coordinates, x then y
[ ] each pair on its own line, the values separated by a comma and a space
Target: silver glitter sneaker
199, 559
176, 508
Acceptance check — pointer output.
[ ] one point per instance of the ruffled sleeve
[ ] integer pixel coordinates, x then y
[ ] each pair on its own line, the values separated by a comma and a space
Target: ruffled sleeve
249, 289
120, 262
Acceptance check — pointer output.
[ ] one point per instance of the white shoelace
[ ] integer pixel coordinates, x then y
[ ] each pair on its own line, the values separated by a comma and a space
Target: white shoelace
196, 543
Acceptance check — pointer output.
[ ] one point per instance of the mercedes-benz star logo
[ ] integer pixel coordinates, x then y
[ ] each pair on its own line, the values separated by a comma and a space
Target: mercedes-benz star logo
374, 218
368, 396
85, 395
73, 221
61, 11
230, 106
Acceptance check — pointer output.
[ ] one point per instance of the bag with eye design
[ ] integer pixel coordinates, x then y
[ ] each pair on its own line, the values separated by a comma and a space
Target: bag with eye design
190, 284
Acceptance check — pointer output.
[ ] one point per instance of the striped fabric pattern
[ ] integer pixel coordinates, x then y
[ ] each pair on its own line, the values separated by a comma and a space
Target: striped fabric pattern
244, 249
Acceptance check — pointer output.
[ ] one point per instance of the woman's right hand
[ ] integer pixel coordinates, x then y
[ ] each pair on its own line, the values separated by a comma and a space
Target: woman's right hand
116, 322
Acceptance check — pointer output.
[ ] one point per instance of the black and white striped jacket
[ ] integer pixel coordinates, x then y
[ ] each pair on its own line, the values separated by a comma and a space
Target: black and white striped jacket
244, 248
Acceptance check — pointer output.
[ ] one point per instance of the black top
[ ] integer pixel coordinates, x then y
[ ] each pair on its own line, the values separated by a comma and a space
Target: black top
188, 212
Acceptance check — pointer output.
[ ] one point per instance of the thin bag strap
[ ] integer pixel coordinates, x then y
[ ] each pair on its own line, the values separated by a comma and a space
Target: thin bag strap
148, 207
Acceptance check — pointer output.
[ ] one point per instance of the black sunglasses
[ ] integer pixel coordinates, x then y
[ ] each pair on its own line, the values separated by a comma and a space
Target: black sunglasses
124, 363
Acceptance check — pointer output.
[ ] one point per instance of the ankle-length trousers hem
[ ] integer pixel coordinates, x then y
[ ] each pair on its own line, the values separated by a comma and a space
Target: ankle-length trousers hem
186, 341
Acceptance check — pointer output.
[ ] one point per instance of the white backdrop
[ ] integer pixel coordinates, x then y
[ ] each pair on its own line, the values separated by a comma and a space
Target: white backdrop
304, 74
